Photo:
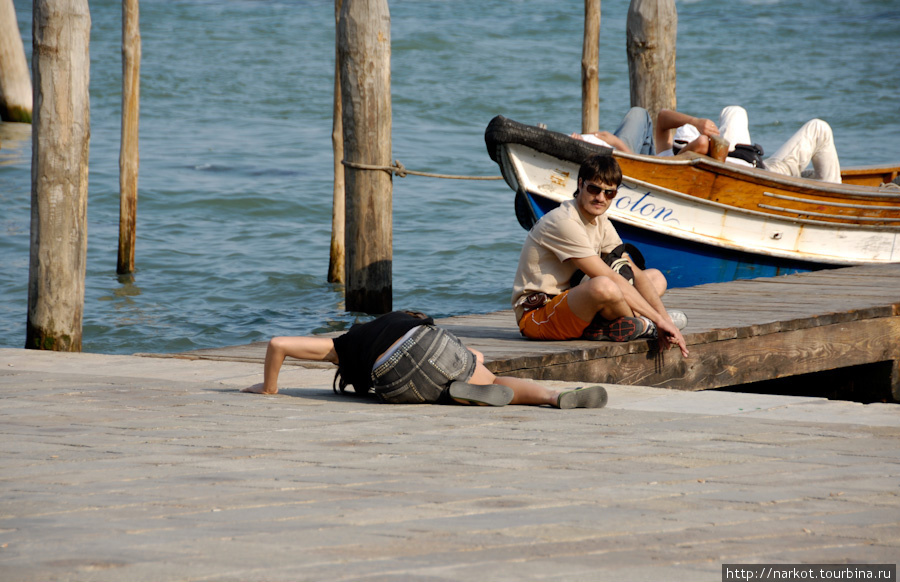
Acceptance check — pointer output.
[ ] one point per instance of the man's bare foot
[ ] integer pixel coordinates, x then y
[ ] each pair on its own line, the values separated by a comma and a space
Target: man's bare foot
258, 389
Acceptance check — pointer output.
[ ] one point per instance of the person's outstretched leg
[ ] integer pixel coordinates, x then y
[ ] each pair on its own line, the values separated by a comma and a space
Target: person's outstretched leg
734, 126
637, 131
814, 142
528, 392
531, 393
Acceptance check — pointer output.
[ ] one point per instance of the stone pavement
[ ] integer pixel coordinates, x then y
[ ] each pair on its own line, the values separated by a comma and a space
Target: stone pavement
128, 468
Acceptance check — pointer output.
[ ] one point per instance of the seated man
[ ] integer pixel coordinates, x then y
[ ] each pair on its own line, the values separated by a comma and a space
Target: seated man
812, 143
573, 237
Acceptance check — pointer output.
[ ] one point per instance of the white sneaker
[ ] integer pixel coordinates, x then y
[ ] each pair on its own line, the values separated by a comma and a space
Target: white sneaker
650, 331
679, 318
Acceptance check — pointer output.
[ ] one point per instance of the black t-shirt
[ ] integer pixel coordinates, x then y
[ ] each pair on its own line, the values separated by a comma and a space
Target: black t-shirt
358, 349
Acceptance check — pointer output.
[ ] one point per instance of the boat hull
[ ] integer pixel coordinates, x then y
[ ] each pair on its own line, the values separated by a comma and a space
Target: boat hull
686, 264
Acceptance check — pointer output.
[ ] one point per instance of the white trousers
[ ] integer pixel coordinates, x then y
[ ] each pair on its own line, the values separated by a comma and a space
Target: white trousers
814, 142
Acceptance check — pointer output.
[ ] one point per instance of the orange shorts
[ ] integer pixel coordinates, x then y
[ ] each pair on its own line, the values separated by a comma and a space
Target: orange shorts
553, 321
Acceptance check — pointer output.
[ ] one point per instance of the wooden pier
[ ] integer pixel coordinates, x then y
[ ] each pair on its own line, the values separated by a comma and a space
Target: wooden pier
738, 333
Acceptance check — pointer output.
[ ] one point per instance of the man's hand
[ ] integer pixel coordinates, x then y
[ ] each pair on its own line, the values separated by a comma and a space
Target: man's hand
706, 127
670, 336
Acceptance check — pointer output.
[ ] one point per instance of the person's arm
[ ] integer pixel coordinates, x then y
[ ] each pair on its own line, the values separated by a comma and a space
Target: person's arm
609, 138
668, 120
668, 333
302, 348
594, 266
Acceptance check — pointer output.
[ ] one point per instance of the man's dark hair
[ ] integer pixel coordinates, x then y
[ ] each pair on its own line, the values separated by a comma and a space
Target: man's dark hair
416, 314
601, 168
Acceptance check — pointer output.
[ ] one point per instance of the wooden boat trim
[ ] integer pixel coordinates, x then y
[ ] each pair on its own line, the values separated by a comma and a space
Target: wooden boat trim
828, 203
837, 216
871, 175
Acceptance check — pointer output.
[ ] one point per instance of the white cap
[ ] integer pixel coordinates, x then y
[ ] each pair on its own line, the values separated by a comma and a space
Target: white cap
686, 133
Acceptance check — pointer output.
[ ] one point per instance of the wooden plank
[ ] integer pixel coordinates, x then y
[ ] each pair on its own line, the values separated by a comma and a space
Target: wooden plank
738, 361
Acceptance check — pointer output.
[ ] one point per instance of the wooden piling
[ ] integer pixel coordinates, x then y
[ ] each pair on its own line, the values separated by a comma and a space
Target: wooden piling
59, 174
590, 68
336, 266
15, 82
651, 28
129, 158
364, 41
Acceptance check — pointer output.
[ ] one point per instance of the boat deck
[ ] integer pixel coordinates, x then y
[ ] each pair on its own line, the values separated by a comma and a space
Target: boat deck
739, 332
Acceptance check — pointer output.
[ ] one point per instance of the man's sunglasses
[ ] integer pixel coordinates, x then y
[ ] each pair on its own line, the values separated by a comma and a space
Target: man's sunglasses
595, 190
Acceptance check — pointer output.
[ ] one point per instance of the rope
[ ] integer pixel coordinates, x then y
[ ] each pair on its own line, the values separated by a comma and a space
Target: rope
400, 170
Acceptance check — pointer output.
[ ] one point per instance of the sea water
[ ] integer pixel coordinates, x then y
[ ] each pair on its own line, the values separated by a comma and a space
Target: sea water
235, 186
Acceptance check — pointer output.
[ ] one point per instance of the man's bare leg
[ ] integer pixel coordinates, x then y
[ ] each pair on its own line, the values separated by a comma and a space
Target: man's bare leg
598, 295
531, 393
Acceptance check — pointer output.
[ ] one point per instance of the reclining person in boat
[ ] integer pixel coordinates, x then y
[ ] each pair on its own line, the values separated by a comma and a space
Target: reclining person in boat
812, 143
576, 236
406, 359
636, 134
676, 132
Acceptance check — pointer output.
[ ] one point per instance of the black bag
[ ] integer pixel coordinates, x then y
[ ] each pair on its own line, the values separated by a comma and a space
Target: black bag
752, 154
618, 263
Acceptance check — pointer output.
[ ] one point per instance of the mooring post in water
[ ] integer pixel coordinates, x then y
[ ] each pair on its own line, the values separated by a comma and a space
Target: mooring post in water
15, 82
651, 29
336, 261
59, 174
590, 68
129, 159
364, 43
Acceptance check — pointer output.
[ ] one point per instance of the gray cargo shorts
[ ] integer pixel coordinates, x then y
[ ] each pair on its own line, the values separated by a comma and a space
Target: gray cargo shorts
422, 368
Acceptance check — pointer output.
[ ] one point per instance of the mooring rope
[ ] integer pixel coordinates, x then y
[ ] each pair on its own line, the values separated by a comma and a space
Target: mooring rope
400, 170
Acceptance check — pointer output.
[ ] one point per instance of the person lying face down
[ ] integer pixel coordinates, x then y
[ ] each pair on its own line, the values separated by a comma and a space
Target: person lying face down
728, 141
406, 359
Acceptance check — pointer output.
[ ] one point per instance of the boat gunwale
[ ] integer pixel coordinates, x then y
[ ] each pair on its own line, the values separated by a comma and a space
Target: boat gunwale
829, 203
763, 177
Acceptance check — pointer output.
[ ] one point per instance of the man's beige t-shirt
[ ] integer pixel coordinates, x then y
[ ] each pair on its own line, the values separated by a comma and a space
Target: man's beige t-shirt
560, 235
